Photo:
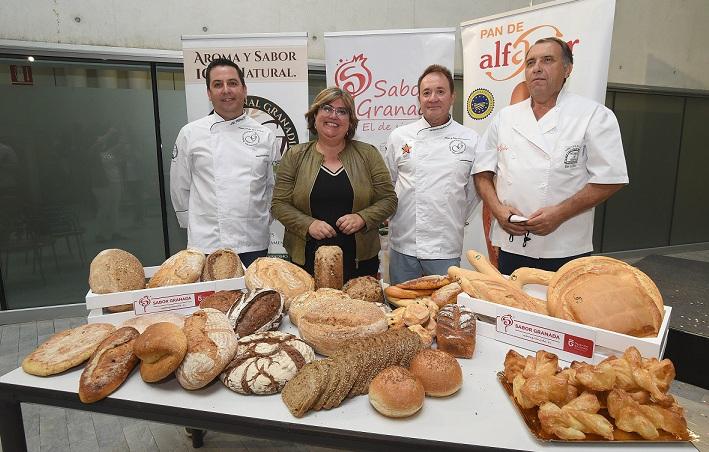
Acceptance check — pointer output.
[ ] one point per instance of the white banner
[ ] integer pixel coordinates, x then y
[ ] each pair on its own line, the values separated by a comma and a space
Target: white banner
494, 49
276, 75
381, 69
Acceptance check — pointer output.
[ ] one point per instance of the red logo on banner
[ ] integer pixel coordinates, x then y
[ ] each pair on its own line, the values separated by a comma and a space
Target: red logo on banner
353, 76
199, 296
21, 75
578, 346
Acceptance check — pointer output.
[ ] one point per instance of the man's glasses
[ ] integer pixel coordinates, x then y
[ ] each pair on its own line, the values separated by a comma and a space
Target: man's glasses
339, 112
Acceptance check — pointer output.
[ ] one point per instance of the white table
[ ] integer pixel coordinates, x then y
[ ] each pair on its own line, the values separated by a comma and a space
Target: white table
480, 415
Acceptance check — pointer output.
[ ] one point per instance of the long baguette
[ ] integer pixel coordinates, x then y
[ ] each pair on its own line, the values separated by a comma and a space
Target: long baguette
482, 264
527, 275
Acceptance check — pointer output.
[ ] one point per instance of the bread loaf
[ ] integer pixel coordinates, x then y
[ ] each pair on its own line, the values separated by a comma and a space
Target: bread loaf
395, 392
222, 300
301, 304
272, 273
260, 310
181, 268
425, 282
211, 344
265, 362
109, 366
222, 264
328, 267
439, 373
447, 294
364, 288
141, 322
455, 331
161, 348
115, 270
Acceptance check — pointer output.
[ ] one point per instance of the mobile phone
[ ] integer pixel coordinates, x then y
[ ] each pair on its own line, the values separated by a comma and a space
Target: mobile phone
517, 219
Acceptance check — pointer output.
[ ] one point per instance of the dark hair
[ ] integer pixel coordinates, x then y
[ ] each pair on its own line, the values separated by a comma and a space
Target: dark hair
437, 68
223, 62
566, 55
325, 97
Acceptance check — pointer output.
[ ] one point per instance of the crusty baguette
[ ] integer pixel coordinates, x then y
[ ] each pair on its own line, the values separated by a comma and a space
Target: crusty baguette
426, 282
482, 264
398, 292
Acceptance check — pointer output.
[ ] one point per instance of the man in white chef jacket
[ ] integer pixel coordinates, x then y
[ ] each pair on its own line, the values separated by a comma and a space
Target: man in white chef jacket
221, 177
431, 163
556, 156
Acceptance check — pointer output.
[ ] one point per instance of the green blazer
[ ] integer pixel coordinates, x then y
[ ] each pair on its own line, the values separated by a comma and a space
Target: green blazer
374, 196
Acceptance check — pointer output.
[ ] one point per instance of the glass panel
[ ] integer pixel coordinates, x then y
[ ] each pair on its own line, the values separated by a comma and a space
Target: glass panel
691, 214
173, 115
638, 216
77, 164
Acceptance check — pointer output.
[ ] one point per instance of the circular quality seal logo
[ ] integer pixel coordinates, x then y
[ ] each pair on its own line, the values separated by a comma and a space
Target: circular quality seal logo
480, 104
270, 115
456, 146
251, 138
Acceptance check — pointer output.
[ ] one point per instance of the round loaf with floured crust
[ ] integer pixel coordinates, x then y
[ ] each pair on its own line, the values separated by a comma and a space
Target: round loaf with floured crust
300, 304
332, 323
283, 276
439, 373
395, 392
181, 268
211, 345
222, 264
115, 270
141, 322
66, 349
161, 348
265, 362
365, 288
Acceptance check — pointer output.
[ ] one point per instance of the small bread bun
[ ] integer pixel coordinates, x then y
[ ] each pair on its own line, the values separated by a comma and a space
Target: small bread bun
438, 372
394, 392
161, 349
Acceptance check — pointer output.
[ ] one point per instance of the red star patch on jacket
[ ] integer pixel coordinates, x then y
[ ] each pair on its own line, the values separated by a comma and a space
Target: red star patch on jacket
406, 149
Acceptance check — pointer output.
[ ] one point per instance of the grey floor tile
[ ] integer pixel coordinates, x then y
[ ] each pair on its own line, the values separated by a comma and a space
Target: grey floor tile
45, 327
109, 432
80, 429
30, 419
52, 429
140, 438
61, 325
10, 335
170, 437
84, 446
32, 443
114, 448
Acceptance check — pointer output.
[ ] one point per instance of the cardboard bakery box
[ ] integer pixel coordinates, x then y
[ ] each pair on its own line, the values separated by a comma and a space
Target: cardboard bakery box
570, 341
160, 299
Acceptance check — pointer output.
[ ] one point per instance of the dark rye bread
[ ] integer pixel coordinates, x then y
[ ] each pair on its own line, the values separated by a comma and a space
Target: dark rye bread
222, 300
301, 393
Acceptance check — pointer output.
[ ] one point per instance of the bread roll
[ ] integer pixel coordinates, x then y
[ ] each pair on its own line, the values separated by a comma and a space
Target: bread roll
222, 264
109, 366
272, 273
141, 322
182, 268
260, 310
394, 392
301, 304
331, 323
222, 300
447, 294
161, 348
455, 331
211, 344
364, 288
439, 373
115, 270
328, 267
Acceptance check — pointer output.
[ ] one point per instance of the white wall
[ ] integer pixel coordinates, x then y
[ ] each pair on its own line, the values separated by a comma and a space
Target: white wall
655, 42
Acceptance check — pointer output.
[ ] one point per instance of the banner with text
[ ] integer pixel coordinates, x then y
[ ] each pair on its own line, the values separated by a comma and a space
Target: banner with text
494, 49
275, 69
381, 69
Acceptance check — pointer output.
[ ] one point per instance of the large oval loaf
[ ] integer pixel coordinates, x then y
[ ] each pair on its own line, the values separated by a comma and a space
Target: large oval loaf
182, 268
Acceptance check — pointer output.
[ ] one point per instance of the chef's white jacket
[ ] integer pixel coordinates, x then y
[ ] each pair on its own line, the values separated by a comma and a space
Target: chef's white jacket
542, 163
431, 168
221, 183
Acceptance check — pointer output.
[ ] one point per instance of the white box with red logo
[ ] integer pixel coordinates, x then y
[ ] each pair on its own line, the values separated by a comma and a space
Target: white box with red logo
183, 298
570, 341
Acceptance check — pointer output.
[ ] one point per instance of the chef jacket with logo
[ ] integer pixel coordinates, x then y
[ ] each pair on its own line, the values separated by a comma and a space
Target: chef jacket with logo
431, 168
542, 163
221, 183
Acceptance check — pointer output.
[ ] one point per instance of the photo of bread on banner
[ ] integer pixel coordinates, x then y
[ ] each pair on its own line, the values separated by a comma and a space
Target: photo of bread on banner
597, 291
620, 398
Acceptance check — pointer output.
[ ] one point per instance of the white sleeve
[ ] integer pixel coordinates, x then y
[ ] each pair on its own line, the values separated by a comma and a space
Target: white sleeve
390, 159
486, 150
181, 179
606, 159
274, 159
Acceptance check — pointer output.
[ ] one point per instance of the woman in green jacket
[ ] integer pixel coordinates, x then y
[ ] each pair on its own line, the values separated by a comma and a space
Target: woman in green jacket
333, 190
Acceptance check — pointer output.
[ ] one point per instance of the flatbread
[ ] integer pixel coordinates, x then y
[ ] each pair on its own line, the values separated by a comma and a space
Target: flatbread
66, 349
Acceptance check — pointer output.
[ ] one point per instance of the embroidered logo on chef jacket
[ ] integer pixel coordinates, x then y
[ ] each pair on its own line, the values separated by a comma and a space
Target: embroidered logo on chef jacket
174, 152
571, 156
480, 104
251, 138
456, 146
405, 151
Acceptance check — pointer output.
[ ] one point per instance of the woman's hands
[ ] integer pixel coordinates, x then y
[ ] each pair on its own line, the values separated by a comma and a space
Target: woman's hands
350, 223
320, 230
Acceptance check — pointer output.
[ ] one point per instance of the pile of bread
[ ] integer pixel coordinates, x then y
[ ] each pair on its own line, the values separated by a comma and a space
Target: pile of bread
597, 291
617, 399
115, 270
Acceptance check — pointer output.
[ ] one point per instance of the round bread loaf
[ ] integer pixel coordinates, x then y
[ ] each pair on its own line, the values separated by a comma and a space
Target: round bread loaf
331, 323
395, 392
300, 304
115, 270
181, 268
222, 264
161, 348
258, 311
222, 300
439, 373
265, 362
364, 288
211, 344
328, 267
141, 322
606, 293
273, 273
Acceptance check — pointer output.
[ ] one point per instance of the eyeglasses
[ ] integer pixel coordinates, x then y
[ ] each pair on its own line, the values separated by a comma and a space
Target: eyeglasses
339, 112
